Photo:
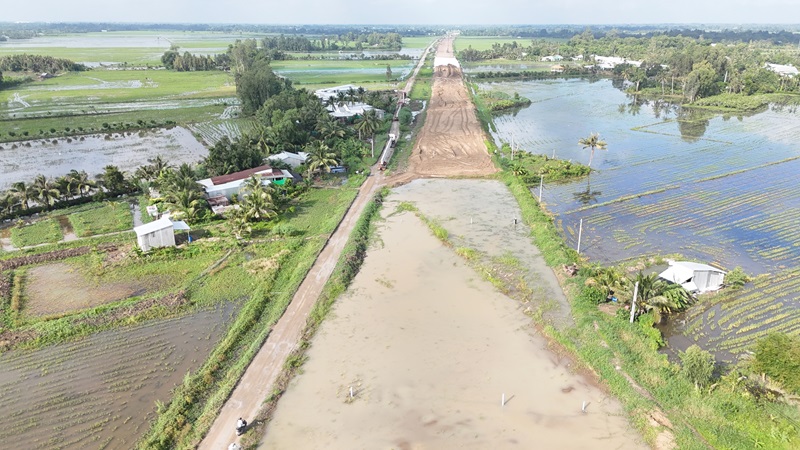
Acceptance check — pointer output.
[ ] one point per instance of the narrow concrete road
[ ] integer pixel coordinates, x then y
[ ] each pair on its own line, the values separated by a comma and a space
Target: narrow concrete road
257, 381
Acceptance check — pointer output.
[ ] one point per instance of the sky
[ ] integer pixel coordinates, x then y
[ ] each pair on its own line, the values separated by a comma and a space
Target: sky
444, 12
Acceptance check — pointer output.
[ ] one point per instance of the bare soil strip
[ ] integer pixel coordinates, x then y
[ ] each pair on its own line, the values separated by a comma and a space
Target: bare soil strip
451, 143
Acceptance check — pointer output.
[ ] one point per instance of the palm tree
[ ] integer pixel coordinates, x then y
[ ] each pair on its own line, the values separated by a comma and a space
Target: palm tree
185, 203
7, 202
320, 157
609, 279
330, 128
593, 142
21, 193
80, 181
368, 124
660, 297
257, 203
45, 191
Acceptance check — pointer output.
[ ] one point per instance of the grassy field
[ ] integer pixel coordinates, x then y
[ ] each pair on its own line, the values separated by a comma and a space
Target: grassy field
131, 47
316, 73
41, 232
107, 218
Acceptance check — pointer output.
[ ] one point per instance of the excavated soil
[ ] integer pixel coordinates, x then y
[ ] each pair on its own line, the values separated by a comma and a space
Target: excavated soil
451, 143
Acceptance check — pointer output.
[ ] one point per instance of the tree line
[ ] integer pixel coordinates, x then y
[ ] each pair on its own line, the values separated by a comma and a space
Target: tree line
670, 65
38, 64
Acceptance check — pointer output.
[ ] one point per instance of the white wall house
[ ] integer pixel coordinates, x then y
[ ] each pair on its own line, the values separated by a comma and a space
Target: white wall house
158, 233
228, 185
292, 159
694, 277
782, 70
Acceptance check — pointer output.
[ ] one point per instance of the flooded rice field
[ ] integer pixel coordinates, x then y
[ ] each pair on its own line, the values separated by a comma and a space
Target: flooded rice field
22, 161
101, 392
714, 188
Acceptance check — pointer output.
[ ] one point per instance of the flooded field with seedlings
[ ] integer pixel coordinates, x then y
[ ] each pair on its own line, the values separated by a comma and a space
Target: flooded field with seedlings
102, 391
22, 161
715, 188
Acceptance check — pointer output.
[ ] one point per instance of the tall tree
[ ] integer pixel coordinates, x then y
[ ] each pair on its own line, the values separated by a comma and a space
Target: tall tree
368, 124
257, 202
22, 192
593, 142
46, 192
320, 158
257, 84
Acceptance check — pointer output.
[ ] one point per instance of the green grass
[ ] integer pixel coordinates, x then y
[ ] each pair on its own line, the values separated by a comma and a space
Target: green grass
42, 232
107, 218
121, 86
337, 72
198, 401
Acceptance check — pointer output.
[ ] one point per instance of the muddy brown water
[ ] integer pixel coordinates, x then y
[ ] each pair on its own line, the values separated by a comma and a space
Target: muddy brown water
430, 348
101, 392
22, 161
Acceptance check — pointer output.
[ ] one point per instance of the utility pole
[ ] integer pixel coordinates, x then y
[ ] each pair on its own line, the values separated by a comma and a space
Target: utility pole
633, 304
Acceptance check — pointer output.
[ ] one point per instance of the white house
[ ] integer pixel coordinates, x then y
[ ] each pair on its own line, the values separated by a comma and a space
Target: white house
228, 185
782, 70
347, 110
325, 94
552, 58
292, 159
159, 233
609, 62
694, 277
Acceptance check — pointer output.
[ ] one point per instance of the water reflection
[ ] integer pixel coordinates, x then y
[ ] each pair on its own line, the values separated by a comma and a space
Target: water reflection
693, 124
587, 196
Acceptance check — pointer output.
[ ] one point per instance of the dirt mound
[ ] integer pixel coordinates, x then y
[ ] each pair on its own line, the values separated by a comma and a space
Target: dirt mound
451, 143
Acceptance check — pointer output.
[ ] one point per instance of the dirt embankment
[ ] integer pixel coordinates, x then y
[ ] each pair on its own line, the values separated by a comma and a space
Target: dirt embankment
451, 142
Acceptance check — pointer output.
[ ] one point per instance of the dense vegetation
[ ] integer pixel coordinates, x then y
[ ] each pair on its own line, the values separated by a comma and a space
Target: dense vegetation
38, 64
665, 64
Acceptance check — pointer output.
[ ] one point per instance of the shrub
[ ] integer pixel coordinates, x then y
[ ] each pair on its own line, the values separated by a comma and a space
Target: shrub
778, 355
592, 294
736, 278
698, 366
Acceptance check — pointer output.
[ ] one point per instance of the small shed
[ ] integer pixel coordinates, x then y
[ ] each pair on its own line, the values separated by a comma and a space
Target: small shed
694, 277
158, 233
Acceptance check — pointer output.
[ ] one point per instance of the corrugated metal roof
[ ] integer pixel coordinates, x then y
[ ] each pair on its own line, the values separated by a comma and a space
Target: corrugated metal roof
244, 174
156, 225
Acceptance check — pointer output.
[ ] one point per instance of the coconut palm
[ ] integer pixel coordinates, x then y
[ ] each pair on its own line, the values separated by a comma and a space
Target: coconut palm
320, 157
81, 181
45, 191
21, 193
257, 203
330, 128
610, 279
368, 124
7, 202
593, 142
660, 297
185, 203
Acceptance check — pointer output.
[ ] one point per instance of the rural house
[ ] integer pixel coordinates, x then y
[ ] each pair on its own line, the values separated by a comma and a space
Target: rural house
694, 277
159, 233
292, 159
782, 70
219, 190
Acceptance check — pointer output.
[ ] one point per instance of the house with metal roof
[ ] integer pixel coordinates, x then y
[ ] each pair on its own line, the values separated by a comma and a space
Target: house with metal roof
159, 233
228, 185
694, 277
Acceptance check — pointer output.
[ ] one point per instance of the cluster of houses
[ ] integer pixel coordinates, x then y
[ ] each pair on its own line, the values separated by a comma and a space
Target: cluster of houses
345, 109
219, 191
609, 62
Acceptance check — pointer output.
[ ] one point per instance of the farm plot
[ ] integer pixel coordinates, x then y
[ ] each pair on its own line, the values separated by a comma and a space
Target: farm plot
54, 158
716, 189
336, 72
209, 133
730, 323
100, 392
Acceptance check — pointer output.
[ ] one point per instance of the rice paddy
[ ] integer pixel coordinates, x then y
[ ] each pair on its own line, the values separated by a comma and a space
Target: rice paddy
715, 189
